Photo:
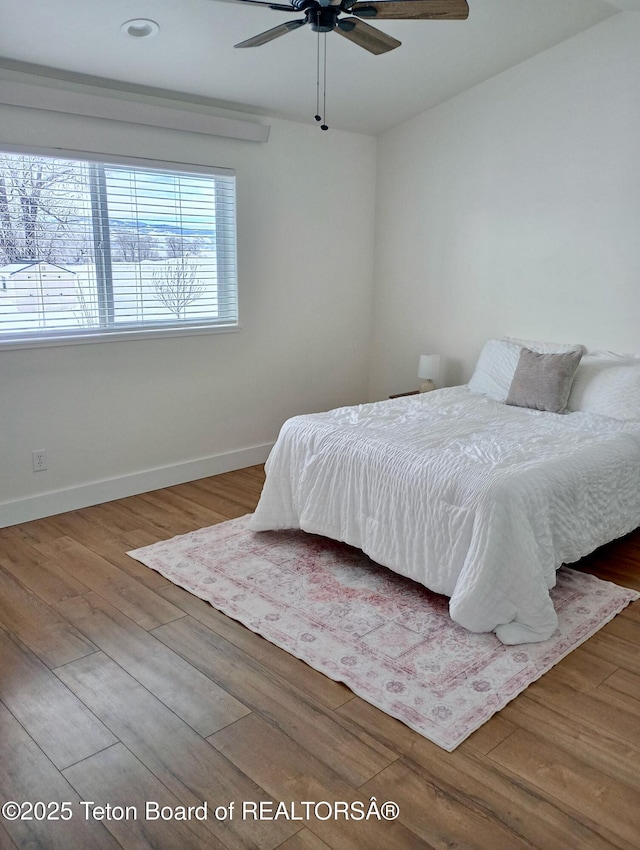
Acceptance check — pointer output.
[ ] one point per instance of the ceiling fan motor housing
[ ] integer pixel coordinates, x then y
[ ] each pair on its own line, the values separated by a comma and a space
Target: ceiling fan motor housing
322, 19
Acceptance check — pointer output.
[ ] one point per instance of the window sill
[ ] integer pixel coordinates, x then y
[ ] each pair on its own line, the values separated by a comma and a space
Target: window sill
115, 336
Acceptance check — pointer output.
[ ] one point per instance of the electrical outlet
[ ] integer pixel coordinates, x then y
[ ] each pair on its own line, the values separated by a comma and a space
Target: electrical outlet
39, 460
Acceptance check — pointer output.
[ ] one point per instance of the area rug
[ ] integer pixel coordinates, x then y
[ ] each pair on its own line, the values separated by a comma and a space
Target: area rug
388, 639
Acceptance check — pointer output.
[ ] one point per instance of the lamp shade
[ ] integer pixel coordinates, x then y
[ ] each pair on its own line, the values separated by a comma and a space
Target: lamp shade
429, 367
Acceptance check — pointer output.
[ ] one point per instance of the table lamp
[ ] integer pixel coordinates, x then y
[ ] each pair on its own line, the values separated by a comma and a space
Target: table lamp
428, 371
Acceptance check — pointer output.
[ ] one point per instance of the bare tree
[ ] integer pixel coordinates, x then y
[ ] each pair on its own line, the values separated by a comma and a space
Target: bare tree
133, 246
176, 246
182, 246
176, 284
38, 198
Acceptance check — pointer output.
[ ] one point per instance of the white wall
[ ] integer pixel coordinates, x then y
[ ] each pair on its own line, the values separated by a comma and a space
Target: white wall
514, 208
121, 417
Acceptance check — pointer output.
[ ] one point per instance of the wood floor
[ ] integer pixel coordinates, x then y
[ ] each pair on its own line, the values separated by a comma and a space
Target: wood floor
119, 688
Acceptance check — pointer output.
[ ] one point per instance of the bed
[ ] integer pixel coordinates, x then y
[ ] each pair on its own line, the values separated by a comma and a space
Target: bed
470, 494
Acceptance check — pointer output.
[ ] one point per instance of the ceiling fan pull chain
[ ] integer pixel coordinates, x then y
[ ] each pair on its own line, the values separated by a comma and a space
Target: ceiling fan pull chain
317, 115
324, 126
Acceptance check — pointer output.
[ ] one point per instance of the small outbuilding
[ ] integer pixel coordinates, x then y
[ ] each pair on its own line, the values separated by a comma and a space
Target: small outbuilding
38, 286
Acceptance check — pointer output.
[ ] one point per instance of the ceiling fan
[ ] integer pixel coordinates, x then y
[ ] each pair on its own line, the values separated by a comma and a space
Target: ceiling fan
324, 16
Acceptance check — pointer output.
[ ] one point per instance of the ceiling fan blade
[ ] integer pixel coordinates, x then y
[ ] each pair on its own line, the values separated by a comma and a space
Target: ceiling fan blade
452, 10
269, 35
280, 7
365, 36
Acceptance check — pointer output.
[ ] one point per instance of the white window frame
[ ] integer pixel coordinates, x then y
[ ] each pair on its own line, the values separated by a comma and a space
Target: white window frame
138, 332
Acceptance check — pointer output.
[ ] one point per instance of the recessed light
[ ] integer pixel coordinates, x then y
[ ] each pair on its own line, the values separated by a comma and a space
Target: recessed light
140, 28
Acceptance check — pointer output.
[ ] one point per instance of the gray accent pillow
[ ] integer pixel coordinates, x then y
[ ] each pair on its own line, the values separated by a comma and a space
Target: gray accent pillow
543, 381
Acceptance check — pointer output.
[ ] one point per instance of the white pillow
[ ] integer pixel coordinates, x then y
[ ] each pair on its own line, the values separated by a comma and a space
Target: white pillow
495, 369
498, 361
607, 384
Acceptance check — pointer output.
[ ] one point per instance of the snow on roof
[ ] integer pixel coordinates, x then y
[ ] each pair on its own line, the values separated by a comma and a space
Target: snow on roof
13, 268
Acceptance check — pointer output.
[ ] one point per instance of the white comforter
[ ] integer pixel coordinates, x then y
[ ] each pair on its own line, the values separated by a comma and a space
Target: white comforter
474, 499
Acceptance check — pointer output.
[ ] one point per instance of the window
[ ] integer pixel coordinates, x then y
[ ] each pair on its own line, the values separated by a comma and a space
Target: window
93, 249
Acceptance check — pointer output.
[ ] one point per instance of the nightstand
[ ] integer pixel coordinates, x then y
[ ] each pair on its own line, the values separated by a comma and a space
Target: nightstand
402, 395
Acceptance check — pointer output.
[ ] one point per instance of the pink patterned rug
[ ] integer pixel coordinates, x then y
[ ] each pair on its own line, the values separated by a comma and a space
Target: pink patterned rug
389, 639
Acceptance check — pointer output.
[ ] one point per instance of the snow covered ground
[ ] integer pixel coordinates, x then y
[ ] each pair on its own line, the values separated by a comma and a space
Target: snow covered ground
148, 291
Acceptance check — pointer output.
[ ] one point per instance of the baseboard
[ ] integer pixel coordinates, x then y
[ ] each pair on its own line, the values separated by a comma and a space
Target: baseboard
61, 501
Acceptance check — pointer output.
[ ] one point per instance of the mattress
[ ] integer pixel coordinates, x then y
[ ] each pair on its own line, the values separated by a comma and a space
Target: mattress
472, 498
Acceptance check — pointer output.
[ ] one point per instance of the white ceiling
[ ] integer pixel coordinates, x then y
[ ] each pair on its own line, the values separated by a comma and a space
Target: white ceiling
193, 53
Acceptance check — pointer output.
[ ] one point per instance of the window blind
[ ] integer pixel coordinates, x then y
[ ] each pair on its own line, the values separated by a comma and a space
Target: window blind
93, 248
